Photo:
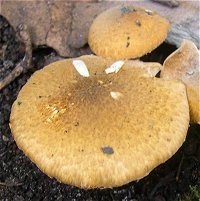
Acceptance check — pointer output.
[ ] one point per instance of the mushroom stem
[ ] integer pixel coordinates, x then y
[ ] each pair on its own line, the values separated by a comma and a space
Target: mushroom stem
179, 167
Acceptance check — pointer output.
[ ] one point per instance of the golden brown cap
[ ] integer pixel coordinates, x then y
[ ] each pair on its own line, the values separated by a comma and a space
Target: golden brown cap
183, 64
127, 32
101, 130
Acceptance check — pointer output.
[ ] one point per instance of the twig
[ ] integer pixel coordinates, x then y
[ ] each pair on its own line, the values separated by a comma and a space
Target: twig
26, 63
8, 79
179, 167
170, 3
10, 184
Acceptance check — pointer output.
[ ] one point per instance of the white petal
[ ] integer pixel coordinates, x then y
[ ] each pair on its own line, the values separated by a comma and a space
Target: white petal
149, 11
115, 95
81, 68
114, 68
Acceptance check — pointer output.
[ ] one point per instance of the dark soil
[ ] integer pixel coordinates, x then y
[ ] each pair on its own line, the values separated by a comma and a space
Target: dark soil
21, 180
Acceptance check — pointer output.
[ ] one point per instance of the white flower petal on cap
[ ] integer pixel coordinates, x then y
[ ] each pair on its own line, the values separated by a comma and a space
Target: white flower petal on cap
81, 68
115, 67
115, 95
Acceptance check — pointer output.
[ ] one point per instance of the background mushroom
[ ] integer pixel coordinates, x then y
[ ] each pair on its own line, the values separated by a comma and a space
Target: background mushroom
183, 64
126, 32
103, 130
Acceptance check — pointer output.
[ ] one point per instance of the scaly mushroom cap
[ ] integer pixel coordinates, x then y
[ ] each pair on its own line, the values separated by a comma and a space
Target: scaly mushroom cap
183, 64
101, 130
127, 32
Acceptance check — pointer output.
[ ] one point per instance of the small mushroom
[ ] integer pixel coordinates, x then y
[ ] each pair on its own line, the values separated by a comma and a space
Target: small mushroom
127, 32
114, 141
183, 64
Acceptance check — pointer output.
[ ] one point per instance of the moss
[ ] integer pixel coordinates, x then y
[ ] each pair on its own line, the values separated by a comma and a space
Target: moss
193, 195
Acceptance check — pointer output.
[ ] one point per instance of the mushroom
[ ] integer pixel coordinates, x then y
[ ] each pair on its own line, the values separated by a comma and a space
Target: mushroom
125, 32
183, 64
101, 130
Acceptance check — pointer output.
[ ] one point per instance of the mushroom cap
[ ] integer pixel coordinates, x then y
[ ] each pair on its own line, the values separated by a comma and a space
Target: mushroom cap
183, 64
126, 32
104, 130
151, 69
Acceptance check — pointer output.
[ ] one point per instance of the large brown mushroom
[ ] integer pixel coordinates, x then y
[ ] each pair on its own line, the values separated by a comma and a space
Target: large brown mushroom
89, 128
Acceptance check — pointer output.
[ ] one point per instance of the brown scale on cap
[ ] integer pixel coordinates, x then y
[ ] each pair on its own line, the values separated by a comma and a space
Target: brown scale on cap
183, 64
127, 32
104, 130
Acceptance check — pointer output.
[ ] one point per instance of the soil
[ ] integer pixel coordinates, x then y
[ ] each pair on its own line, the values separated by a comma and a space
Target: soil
21, 180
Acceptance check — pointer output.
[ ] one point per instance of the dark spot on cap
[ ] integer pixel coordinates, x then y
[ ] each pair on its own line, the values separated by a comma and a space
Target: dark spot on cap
168, 140
40, 96
107, 150
66, 131
138, 23
19, 103
76, 124
134, 10
34, 83
127, 44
